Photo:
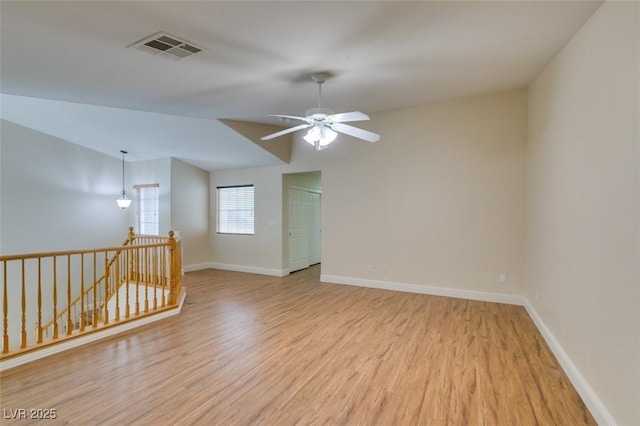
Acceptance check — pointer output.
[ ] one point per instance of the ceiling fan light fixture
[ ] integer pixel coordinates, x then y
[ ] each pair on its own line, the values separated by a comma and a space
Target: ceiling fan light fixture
320, 136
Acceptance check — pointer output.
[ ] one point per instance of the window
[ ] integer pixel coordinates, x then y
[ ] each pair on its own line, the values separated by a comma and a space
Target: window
235, 209
147, 209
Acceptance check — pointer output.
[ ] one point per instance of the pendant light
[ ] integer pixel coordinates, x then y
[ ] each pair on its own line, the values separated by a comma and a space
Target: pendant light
123, 201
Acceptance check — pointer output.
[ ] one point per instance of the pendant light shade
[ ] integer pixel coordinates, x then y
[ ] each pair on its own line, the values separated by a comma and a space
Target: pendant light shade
122, 201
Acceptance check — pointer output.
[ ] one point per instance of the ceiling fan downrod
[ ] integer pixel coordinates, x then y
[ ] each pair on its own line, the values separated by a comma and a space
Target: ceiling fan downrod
319, 78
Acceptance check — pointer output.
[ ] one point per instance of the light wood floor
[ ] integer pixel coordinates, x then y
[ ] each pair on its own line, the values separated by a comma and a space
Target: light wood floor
252, 349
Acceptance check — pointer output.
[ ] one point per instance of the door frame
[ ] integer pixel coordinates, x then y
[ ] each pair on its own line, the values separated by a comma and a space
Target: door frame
285, 211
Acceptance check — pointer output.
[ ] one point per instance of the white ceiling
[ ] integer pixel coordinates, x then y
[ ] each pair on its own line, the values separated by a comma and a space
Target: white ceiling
65, 68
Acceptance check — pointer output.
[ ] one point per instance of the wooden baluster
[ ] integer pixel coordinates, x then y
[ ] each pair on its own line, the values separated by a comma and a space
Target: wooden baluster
39, 325
179, 267
23, 333
146, 281
156, 250
172, 269
163, 283
127, 309
134, 263
117, 287
69, 322
144, 263
95, 292
106, 288
5, 310
138, 275
55, 298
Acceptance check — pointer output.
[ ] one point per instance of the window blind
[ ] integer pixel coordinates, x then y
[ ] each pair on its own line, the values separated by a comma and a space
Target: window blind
235, 209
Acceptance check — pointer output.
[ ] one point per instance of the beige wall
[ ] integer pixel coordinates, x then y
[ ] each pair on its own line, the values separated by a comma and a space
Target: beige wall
582, 269
438, 201
190, 211
261, 252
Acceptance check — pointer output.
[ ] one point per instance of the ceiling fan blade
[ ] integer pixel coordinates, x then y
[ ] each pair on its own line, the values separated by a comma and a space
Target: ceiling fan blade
291, 117
348, 116
285, 131
356, 132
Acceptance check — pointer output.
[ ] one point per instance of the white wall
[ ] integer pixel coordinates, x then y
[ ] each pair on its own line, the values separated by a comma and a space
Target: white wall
55, 195
582, 230
438, 201
147, 172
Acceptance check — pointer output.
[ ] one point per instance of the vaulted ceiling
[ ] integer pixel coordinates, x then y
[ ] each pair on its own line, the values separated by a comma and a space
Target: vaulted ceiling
66, 67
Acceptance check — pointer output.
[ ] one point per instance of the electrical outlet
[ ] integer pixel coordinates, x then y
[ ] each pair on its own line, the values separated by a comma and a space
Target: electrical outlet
502, 277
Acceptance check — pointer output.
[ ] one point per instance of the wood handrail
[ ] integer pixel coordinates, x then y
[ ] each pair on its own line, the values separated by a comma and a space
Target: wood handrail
148, 263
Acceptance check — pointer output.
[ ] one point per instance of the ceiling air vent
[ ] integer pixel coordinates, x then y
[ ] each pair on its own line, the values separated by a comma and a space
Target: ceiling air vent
167, 46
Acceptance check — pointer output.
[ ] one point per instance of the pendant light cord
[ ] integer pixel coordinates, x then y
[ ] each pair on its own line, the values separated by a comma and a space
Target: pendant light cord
123, 153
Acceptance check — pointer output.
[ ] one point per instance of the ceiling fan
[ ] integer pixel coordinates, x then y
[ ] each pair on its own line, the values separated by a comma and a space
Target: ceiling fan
324, 124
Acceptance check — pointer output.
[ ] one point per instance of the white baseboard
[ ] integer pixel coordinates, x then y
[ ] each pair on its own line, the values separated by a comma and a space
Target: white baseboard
196, 267
424, 289
249, 269
92, 337
591, 400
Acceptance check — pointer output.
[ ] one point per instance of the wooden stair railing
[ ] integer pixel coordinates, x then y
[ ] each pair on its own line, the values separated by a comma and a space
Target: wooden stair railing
79, 313
147, 269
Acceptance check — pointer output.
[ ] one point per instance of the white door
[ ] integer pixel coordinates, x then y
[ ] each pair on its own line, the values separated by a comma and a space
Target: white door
299, 235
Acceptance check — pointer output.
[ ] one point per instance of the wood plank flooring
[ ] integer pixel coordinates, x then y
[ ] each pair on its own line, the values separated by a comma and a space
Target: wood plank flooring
259, 350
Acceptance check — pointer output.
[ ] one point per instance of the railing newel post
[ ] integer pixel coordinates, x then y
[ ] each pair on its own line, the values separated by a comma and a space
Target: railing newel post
39, 323
94, 311
82, 301
131, 239
69, 322
55, 298
23, 332
106, 288
5, 311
